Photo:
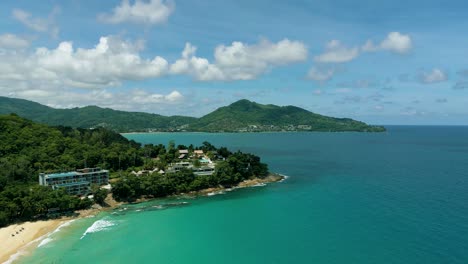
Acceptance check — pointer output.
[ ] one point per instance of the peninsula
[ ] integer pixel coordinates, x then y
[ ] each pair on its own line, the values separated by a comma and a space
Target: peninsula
240, 116
42, 175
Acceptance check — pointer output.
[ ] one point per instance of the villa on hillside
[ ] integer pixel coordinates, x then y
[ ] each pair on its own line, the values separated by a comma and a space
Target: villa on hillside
198, 152
183, 153
75, 182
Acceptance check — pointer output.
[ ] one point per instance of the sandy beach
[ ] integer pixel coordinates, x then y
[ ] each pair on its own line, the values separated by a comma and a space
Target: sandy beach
24, 233
18, 237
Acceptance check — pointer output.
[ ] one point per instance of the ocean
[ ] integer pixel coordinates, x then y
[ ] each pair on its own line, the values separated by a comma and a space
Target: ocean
394, 197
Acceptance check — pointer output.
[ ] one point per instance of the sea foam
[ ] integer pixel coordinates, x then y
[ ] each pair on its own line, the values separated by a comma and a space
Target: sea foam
98, 226
42, 240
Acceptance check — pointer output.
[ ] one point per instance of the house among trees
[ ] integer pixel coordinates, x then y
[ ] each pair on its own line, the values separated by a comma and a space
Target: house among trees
198, 152
183, 153
75, 182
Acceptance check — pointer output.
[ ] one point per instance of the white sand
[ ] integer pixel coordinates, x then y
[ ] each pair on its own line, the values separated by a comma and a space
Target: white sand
10, 245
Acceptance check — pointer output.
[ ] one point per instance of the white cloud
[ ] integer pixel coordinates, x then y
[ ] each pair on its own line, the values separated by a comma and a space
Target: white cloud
109, 63
143, 97
397, 42
140, 12
10, 41
113, 61
199, 68
320, 75
394, 42
336, 52
44, 25
239, 61
130, 100
434, 76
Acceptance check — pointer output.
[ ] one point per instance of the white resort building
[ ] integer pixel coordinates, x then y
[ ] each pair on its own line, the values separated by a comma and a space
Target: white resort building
75, 182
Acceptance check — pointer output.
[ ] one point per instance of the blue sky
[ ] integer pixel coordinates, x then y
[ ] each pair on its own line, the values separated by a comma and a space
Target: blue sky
383, 62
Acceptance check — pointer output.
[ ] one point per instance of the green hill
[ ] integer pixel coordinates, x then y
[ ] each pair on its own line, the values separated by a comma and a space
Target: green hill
241, 116
92, 116
245, 115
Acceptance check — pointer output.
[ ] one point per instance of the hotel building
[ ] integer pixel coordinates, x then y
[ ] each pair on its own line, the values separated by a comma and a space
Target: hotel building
75, 182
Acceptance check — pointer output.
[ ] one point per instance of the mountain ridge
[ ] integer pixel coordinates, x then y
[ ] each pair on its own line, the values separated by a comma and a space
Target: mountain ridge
240, 116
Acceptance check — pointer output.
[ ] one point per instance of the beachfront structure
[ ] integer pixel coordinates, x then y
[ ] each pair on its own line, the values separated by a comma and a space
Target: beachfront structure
75, 182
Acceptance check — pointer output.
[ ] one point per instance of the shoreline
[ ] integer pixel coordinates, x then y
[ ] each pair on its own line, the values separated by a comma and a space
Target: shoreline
255, 182
26, 235
248, 132
32, 233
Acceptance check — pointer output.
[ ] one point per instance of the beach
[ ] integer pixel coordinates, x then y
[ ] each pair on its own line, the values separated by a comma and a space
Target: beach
15, 238
25, 235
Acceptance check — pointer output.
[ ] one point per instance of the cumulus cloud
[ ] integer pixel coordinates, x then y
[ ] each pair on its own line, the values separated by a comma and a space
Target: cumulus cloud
320, 75
10, 41
144, 97
336, 52
152, 12
239, 61
109, 63
44, 25
130, 100
434, 76
394, 42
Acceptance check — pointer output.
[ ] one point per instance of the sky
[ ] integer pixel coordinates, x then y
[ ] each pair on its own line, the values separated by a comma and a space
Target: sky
382, 62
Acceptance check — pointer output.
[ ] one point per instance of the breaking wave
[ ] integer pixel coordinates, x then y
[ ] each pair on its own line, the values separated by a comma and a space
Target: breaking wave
98, 226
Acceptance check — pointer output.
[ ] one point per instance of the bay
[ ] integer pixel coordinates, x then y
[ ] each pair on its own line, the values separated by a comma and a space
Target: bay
394, 197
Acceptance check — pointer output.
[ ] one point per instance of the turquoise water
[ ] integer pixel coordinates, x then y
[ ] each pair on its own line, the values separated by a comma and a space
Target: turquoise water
396, 197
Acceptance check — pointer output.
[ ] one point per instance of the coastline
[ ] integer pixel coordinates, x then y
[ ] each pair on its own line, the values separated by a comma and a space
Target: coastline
255, 182
32, 233
26, 235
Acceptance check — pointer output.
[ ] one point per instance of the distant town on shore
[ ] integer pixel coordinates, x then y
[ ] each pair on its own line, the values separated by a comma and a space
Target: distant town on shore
240, 116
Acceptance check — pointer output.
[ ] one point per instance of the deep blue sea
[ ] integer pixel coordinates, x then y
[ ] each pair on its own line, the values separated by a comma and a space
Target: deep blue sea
394, 197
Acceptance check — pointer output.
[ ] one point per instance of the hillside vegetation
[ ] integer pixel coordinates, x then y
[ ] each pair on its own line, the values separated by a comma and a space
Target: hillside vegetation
241, 116
28, 148
92, 116
245, 115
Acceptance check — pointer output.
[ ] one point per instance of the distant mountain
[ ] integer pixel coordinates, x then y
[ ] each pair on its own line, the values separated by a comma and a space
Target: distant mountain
241, 116
245, 115
92, 116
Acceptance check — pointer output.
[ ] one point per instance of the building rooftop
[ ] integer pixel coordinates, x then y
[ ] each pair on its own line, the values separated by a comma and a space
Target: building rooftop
63, 174
74, 173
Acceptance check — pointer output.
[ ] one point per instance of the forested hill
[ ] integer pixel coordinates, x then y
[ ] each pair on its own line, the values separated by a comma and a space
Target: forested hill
245, 115
92, 116
241, 116
27, 148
